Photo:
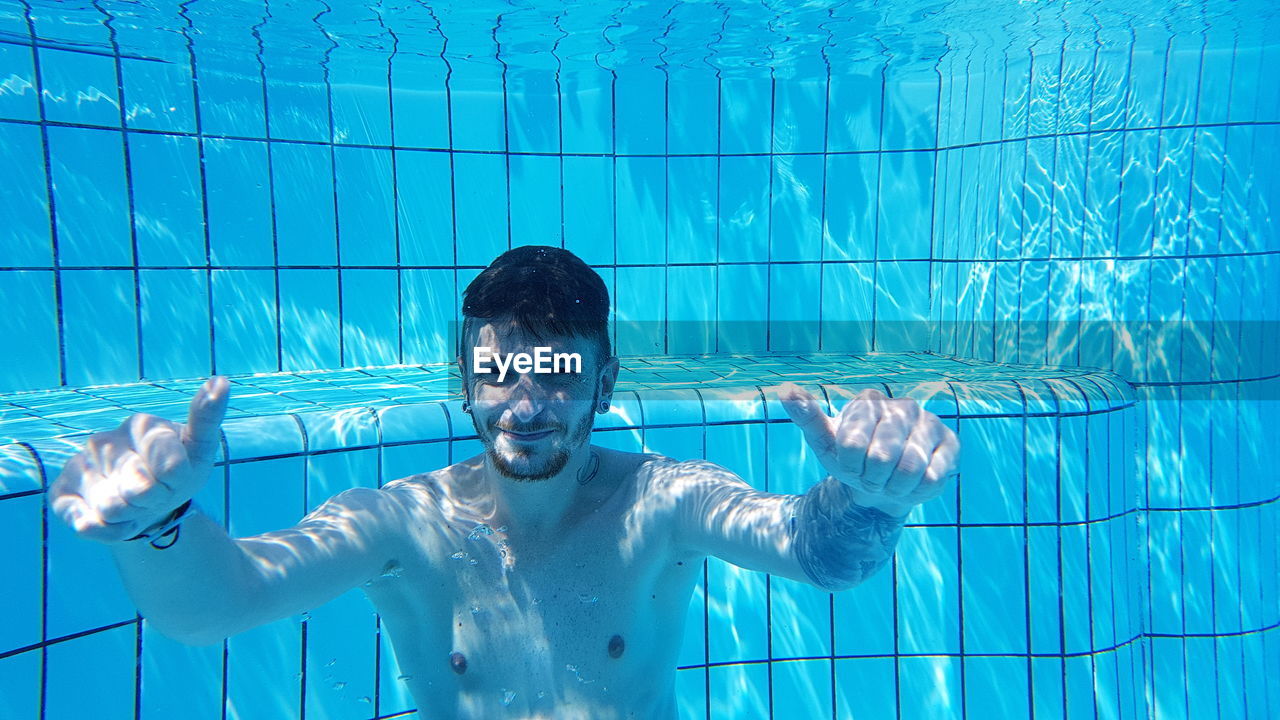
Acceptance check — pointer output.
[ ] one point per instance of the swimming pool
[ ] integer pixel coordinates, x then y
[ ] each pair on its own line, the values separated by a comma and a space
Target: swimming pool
301, 190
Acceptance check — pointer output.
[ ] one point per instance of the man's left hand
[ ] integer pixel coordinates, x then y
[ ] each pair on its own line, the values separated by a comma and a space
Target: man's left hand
893, 453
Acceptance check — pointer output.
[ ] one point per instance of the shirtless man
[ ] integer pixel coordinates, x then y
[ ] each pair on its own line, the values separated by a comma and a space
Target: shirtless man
480, 570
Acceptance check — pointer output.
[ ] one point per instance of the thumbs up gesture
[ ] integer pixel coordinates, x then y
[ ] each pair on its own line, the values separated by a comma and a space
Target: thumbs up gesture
893, 453
130, 478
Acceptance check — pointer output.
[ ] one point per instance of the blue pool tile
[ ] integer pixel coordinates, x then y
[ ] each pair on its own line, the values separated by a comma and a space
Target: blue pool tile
35, 330
744, 101
1244, 84
420, 102
928, 607
691, 208
428, 305
1044, 589
803, 687
20, 471
854, 109
370, 317
167, 199
393, 689
366, 222
1082, 697
1041, 463
339, 659
1017, 83
533, 111
478, 114
795, 217
853, 183
1037, 211
1046, 81
425, 208
239, 202
692, 646
20, 683
264, 671
995, 607
1074, 96
260, 436
335, 430
992, 465
740, 692
1076, 611
536, 202
691, 694
906, 183
158, 95
304, 204
690, 305
1047, 689
1069, 171
625, 411
24, 198
1173, 188
641, 111
87, 168
100, 319
846, 308
997, 687
740, 304
641, 213
864, 617
179, 680
744, 209
586, 105
17, 94
798, 122
866, 688
902, 305
100, 666
480, 185
74, 565
910, 110
930, 687
401, 461
230, 98
410, 423
79, 88
737, 627
1011, 189
244, 321
1181, 81
1102, 579
691, 104
309, 319
793, 296
361, 103
588, 209
21, 519
175, 323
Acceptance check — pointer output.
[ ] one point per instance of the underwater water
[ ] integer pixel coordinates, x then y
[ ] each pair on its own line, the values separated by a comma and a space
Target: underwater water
1050, 222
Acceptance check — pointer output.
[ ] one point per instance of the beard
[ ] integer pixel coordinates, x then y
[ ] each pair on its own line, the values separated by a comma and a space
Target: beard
521, 463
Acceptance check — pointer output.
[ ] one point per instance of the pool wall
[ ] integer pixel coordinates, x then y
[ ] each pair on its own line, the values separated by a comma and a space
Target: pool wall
1030, 207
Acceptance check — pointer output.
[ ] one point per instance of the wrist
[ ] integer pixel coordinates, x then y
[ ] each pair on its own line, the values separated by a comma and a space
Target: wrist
887, 505
163, 532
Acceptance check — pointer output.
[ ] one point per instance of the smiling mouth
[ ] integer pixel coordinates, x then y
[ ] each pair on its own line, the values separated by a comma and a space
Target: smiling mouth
526, 435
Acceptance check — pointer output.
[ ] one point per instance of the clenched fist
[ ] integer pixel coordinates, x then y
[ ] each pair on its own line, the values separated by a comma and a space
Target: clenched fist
893, 453
130, 478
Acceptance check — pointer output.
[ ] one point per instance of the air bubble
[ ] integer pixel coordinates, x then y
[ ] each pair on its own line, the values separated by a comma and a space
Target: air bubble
508, 696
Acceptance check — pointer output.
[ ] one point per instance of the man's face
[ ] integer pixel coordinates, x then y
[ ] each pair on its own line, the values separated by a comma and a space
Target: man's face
531, 423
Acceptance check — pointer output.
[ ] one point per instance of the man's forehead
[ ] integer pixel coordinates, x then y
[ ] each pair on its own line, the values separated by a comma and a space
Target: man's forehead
507, 336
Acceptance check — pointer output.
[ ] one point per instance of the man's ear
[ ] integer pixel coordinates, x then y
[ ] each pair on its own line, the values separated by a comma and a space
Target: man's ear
462, 375
608, 379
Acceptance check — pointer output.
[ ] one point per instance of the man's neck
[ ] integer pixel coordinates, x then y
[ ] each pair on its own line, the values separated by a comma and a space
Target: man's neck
539, 507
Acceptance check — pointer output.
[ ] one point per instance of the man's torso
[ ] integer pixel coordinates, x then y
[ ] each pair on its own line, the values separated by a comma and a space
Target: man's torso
489, 623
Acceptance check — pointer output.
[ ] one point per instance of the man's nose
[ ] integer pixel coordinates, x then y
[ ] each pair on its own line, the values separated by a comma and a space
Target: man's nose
527, 399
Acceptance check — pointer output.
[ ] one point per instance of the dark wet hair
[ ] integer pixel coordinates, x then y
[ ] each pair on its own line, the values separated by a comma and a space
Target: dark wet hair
545, 291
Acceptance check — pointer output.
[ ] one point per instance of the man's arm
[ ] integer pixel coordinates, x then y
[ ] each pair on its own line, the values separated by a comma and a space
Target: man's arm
822, 537
208, 585
202, 586
885, 457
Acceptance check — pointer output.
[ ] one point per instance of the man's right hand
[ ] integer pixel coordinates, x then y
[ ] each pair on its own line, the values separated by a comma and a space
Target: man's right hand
128, 479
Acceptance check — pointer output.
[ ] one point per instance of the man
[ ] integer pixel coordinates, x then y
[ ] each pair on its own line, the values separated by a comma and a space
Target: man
527, 581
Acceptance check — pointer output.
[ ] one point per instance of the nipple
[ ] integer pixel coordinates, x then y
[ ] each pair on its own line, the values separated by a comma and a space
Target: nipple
616, 646
458, 662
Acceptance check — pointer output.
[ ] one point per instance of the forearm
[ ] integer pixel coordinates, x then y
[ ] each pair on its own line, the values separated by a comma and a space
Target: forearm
195, 591
838, 542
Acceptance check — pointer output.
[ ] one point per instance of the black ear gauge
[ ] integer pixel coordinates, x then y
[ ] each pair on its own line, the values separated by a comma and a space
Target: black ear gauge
604, 406
466, 406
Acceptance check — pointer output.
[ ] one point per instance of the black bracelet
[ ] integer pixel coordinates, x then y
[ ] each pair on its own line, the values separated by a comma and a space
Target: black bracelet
167, 528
